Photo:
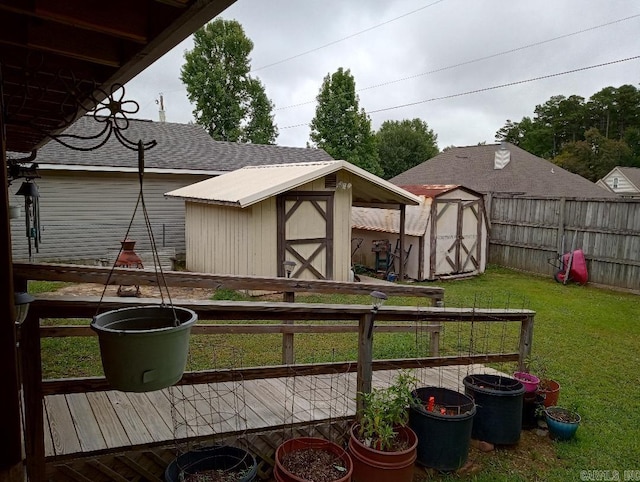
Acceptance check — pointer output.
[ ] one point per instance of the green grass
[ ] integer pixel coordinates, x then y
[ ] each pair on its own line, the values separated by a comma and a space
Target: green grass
588, 338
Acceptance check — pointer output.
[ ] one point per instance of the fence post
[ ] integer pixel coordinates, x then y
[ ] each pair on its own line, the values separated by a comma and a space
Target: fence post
365, 358
561, 213
526, 339
287, 338
31, 368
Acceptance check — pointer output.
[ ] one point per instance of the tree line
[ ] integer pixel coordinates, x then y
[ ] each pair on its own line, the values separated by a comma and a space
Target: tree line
587, 137
233, 106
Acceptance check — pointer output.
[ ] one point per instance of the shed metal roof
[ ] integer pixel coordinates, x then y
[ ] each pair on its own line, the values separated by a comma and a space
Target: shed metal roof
253, 184
417, 217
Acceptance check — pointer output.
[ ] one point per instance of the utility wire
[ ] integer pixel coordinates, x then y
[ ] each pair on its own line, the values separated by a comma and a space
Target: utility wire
345, 38
486, 89
480, 59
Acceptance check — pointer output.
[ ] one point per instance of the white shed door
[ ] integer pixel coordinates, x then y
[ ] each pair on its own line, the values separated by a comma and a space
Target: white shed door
456, 245
305, 234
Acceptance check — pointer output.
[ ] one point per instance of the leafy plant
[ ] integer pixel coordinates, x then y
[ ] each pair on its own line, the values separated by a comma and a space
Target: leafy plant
384, 410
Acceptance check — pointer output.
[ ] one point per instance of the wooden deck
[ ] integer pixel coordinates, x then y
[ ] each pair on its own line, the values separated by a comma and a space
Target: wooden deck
100, 422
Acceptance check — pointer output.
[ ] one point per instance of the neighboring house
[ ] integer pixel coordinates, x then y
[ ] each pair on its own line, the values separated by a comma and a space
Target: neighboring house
624, 181
252, 220
500, 169
87, 198
446, 235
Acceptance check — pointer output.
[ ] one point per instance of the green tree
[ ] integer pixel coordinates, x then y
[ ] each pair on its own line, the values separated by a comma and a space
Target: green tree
595, 156
229, 103
340, 127
404, 144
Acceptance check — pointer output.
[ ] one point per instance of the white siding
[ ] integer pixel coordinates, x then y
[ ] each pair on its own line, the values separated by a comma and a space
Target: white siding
86, 215
263, 240
623, 187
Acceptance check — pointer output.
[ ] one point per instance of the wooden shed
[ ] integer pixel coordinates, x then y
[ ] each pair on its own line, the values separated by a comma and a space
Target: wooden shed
252, 220
446, 234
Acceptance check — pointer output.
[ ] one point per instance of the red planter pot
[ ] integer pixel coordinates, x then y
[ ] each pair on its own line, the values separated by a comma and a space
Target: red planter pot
551, 392
370, 465
281, 474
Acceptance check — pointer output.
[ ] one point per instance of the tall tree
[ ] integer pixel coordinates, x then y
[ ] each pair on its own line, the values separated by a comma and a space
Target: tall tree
404, 144
340, 127
595, 156
229, 103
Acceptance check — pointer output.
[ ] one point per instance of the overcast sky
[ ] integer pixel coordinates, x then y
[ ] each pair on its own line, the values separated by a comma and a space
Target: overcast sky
423, 43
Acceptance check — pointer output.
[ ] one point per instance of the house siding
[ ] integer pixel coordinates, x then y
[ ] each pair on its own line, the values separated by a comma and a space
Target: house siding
82, 220
624, 186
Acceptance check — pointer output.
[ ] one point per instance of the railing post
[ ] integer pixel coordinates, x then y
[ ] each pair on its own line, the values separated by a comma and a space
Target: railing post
31, 365
287, 338
365, 358
526, 339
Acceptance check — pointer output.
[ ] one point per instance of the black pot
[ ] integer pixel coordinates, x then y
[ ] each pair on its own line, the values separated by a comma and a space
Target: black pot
443, 440
498, 400
531, 402
218, 457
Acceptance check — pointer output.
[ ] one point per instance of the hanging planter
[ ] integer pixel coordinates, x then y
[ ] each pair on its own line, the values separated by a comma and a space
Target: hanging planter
498, 399
220, 462
144, 348
442, 419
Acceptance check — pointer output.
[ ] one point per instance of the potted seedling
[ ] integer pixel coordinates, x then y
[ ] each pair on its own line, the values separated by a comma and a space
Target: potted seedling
442, 419
547, 387
381, 444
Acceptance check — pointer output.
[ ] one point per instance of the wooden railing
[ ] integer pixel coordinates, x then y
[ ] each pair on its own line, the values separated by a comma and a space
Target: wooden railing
336, 318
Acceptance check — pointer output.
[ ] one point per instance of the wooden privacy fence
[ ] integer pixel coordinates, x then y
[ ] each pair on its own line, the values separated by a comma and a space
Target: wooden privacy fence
527, 233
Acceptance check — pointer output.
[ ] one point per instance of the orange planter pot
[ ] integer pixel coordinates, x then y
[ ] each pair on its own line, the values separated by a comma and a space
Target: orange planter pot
370, 465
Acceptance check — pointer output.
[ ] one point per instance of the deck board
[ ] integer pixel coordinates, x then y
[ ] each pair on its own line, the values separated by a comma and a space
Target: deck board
115, 420
63, 431
112, 430
84, 420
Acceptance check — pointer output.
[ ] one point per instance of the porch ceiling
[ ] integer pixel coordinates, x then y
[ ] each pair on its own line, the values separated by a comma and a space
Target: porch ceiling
54, 55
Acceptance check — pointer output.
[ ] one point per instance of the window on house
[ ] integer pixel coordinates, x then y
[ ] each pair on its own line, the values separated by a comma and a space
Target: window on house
615, 183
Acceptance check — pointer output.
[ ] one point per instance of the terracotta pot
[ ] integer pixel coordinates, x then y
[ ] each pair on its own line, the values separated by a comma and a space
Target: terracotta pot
281, 474
370, 465
550, 389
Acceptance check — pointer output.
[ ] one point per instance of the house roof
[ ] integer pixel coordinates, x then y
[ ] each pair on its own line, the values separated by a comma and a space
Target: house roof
632, 174
181, 147
253, 184
61, 58
525, 174
417, 217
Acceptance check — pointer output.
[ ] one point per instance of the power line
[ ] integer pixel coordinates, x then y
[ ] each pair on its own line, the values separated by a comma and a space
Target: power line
346, 38
486, 89
480, 59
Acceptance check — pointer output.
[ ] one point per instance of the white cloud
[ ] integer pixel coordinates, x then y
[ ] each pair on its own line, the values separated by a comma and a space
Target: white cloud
445, 34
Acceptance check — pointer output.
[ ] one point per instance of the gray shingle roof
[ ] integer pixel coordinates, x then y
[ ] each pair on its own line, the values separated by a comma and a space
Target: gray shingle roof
180, 146
631, 173
525, 174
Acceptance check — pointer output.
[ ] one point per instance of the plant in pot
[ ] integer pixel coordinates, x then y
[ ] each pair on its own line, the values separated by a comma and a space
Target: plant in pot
311, 459
547, 387
562, 422
442, 419
381, 444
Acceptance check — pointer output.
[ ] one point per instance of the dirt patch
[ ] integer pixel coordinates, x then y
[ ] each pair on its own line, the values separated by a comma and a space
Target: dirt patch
92, 289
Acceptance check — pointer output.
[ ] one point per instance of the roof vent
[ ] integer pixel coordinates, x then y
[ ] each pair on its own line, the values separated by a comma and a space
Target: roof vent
502, 157
330, 181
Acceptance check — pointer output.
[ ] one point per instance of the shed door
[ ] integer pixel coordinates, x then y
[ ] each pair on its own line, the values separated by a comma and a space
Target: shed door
305, 234
457, 236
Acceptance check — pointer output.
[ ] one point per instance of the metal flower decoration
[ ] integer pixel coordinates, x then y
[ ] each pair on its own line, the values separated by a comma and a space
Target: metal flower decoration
114, 108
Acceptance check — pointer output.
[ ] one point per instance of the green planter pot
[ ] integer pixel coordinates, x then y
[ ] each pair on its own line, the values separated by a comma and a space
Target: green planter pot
144, 348
443, 439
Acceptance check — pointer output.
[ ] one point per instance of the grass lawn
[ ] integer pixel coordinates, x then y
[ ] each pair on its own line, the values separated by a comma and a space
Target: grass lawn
587, 337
